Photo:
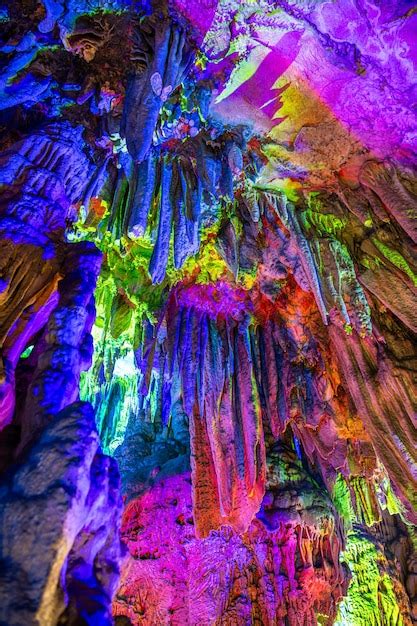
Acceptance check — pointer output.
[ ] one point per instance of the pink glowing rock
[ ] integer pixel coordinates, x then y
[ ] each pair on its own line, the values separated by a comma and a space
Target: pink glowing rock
220, 299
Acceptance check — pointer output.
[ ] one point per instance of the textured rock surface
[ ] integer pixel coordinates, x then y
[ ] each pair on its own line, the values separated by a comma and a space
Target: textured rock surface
229, 577
40, 177
59, 518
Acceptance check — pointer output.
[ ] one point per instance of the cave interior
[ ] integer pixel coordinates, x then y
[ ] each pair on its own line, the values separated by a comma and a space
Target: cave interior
208, 313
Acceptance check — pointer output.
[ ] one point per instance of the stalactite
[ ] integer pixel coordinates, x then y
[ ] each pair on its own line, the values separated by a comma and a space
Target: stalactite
365, 369
148, 88
222, 415
143, 181
160, 253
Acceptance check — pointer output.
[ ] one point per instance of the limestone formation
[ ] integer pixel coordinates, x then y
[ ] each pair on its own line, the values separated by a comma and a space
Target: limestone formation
208, 287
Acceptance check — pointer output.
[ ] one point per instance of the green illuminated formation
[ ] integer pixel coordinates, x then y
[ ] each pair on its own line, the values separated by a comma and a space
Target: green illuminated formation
371, 599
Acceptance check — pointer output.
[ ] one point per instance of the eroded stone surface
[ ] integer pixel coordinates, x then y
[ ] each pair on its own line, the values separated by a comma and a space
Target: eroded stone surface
59, 517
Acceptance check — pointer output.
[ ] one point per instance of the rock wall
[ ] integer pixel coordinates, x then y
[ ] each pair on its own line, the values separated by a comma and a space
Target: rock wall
60, 507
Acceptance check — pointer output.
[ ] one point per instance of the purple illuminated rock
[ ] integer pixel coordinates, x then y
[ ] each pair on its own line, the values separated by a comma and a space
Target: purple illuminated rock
60, 510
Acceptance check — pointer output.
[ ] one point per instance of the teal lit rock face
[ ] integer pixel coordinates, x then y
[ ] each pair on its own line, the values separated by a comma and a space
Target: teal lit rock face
208, 229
